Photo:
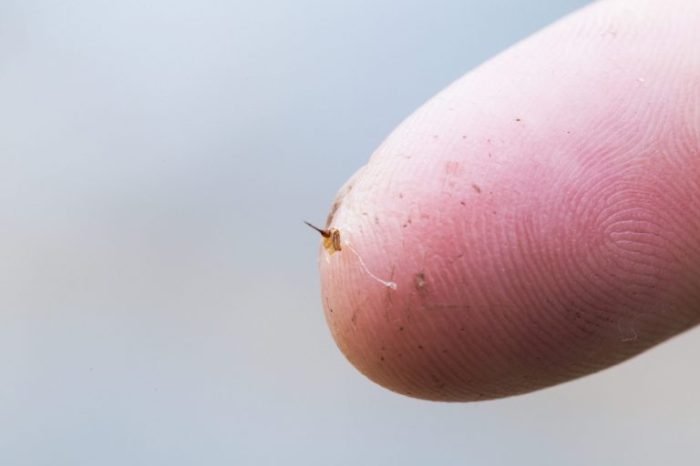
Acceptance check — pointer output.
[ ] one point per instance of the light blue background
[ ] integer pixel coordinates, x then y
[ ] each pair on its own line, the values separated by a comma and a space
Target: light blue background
159, 298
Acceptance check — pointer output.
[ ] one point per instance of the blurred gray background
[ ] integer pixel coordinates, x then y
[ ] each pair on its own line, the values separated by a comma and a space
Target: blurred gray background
159, 297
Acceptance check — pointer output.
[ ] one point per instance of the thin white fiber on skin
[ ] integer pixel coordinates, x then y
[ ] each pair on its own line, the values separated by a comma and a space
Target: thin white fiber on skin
387, 283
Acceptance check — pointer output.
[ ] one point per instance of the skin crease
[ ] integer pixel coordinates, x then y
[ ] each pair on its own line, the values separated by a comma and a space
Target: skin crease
539, 219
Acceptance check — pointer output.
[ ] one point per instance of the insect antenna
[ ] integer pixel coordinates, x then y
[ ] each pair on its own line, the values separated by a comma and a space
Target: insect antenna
324, 233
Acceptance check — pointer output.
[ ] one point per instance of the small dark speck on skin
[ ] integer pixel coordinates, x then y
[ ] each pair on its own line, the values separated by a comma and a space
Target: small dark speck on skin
381, 358
420, 347
476, 188
400, 329
336, 205
462, 202
420, 281
518, 119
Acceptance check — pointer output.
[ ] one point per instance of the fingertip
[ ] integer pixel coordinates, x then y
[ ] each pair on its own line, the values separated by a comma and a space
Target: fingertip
535, 222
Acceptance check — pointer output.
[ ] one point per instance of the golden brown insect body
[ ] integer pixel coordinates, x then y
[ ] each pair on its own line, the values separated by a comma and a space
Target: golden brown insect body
331, 238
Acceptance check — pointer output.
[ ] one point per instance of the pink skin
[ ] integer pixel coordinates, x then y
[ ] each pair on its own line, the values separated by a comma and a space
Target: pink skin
540, 217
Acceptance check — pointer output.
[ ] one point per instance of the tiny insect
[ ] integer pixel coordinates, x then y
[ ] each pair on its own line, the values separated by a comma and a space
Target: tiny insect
331, 238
